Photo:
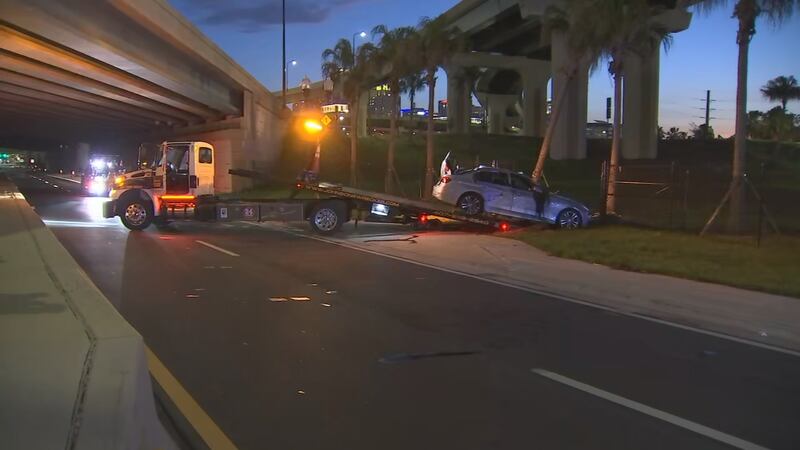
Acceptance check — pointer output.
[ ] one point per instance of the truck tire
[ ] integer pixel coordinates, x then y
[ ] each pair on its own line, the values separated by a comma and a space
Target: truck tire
327, 217
136, 214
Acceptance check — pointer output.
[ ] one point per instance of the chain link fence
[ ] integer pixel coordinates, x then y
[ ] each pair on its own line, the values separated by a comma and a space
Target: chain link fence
685, 196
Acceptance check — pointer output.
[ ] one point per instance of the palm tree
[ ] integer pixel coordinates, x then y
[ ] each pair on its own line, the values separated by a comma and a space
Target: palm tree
393, 59
746, 11
782, 89
436, 44
337, 59
353, 73
411, 84
616, 29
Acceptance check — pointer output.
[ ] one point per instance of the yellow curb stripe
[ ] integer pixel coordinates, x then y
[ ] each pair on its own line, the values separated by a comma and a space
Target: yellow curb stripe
211, 434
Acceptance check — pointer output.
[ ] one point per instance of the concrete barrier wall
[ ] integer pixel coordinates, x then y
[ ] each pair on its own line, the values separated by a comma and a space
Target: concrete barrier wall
113, 405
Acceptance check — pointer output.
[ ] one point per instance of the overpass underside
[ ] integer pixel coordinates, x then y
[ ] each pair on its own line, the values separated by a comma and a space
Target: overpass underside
513, 59
113, 74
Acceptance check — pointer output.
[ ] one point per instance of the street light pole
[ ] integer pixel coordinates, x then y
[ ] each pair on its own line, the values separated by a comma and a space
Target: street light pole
362, 34
292, 63
283, 74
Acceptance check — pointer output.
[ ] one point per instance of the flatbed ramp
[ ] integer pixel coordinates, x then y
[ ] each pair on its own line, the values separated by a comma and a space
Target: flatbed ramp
402, 204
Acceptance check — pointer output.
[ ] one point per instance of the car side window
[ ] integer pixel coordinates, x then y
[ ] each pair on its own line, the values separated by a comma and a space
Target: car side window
205, 155
520, 182
490, 176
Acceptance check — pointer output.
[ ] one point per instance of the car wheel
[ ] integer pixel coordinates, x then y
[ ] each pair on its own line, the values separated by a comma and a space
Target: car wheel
328, 217
569, 219
136, 214
470, 204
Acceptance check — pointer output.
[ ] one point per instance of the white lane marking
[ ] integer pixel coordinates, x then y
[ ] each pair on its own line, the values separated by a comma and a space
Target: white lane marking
652, 412
727, 337
65, 179
219, 249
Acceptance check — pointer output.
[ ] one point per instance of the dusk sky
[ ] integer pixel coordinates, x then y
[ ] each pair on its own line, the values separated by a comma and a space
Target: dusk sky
702, 57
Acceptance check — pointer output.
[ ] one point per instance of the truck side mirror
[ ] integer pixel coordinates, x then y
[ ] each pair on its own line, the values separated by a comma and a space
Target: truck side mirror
193, 181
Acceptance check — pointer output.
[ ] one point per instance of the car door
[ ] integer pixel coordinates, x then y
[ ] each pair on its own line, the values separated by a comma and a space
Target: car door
523, 202
496, 191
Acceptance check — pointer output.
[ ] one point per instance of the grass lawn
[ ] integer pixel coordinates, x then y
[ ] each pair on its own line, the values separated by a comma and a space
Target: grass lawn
734, 261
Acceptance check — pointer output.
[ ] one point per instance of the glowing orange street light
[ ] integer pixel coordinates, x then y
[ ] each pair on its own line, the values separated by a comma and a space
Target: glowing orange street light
312, 126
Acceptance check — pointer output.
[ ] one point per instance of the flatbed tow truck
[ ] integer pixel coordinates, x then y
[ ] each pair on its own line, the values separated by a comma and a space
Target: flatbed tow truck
177, 184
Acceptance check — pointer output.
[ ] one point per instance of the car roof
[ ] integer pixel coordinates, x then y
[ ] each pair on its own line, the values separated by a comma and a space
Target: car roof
498, 169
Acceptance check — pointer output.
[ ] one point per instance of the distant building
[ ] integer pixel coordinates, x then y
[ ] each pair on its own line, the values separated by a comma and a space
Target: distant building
442, 110
335, 108
599, 130
416, 112
380, 102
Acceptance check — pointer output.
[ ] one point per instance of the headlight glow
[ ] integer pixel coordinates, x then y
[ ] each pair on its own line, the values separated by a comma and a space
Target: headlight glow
98, 186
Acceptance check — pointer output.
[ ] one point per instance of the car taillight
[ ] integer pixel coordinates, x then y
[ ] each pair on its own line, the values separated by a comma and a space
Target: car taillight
444, 180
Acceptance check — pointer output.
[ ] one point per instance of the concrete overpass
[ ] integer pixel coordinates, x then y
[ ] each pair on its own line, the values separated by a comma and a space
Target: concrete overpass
512, 61
127, 71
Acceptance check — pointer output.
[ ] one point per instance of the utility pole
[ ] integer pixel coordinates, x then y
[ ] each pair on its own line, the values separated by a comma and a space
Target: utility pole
283, 74
707, 117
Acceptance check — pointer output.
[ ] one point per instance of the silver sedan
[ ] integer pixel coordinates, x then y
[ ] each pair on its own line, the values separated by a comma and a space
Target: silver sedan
506, 193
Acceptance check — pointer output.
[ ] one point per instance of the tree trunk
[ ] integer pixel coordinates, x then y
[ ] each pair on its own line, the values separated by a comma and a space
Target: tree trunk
354, 140
429, 173
544, 150
615, 143
388, 184
740, 137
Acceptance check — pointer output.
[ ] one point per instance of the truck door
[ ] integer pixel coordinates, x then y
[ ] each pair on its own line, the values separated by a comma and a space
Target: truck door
176, 164
202, 169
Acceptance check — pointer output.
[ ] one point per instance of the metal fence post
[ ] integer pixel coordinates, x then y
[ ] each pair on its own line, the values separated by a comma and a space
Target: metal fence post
686, 200
671, 190
603, 187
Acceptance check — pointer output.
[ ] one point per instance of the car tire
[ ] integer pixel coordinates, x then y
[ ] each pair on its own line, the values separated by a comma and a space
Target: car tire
569, 219
328, 217
471, 204
136, 214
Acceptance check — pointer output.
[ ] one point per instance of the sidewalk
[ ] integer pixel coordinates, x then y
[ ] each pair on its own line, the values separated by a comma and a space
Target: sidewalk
753, 316
73, 372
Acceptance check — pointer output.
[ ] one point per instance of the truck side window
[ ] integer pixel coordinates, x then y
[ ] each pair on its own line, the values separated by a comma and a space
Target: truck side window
205, 155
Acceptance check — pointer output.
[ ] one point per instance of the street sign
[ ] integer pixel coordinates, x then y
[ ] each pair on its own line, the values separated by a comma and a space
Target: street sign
325, 120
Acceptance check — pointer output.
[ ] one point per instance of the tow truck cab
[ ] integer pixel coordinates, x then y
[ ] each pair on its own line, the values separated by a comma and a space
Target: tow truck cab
175, 175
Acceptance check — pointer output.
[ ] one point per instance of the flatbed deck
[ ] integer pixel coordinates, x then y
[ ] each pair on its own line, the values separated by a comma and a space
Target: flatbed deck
405, 205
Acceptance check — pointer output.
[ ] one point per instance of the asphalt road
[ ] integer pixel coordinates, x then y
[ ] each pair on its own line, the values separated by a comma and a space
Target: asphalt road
391, 355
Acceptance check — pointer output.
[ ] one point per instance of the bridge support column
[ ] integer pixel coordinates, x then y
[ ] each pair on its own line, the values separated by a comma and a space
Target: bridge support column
496, 110
250, 142
82, 151
569, 138
640, 106
534, 104
459, 101
363, 111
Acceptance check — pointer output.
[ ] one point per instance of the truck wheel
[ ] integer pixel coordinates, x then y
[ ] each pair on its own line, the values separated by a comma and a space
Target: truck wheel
136, 214
328, 217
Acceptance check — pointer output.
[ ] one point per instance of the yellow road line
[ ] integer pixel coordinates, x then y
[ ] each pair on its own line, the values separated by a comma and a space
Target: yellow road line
211, 434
